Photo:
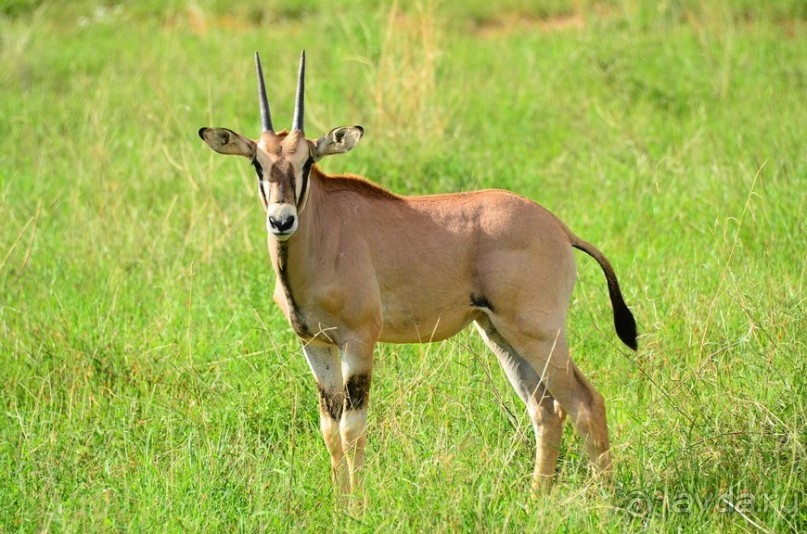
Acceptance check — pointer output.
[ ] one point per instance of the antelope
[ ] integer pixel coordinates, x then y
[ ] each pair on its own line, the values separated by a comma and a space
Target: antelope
357, 265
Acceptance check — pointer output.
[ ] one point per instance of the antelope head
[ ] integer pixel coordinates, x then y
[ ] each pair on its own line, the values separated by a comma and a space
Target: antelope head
282, 160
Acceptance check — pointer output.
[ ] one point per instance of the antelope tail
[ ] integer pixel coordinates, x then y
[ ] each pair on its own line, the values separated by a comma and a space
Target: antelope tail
623, 319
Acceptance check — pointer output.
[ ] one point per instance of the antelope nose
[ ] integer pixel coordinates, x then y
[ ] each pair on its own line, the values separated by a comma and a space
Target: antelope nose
281, 224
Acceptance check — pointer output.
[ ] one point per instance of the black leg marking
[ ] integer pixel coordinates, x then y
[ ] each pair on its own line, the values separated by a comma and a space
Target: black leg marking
479, 301
357, 391
331, 403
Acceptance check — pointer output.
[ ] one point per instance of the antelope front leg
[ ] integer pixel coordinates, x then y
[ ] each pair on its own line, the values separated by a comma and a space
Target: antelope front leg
327, 369
357, 371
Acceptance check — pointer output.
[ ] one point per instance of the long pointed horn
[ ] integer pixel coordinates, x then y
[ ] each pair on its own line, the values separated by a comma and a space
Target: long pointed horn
266, 116
297, 125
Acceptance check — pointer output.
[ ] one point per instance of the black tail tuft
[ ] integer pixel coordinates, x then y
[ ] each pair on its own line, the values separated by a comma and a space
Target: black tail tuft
624, 323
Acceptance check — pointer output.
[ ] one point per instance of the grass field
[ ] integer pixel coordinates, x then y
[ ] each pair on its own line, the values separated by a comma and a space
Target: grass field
150, 384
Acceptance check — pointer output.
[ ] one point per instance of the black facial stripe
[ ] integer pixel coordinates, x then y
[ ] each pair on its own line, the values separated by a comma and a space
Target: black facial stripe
306, 170
259, 172
276, 178
258, 168
263, 193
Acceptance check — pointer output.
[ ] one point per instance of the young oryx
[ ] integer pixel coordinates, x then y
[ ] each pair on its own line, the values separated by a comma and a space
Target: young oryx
357, 264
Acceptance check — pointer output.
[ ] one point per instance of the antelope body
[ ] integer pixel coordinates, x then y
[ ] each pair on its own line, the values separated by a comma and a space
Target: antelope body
356, 265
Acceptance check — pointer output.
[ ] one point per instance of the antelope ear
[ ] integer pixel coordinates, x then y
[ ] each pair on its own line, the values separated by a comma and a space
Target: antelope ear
338, 141
228, 142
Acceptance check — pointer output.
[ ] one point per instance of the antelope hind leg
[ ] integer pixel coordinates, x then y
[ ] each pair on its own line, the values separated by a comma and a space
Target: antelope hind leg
547, 354
545, 413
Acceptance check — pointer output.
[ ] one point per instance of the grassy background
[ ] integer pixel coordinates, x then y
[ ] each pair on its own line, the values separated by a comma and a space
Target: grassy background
149, 383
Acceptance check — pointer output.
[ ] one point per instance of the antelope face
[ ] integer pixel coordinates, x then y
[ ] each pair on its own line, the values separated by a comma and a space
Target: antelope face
283, 164
282, 160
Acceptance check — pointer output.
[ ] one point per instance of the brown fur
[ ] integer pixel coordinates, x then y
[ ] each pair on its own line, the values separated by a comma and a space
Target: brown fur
353, 184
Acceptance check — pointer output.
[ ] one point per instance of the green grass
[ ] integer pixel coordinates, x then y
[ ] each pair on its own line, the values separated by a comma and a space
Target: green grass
149, 383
